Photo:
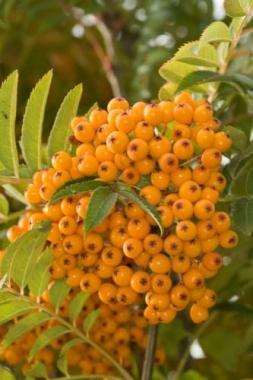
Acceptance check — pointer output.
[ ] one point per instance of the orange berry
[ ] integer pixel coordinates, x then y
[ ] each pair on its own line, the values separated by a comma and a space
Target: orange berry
117, 102
107, 171
181, 175
183, 149
183, 113
168, 162
205, 137
182, 209
151, 194
153, 114
140, 282
186, 230
222, 141
88, 165
212, 261
90, 283
173, 245
198, 314
61, 161
125, 122
144, 131
190, 190
211, 157
202, 113
158, 146
130, 175
98, 117
138, 227
160, 179
84, 132
180, 131
193, 278
203, 209
167, 108
117, 142
228, 239
137, 149
160, 263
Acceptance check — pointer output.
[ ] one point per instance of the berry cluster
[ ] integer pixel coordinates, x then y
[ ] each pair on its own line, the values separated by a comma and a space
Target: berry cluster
170, 153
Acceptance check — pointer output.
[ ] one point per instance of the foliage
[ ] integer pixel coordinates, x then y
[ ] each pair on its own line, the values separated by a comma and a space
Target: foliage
217, 66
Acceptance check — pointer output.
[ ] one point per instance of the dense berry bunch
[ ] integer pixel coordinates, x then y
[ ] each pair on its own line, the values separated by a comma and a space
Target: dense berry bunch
170, 153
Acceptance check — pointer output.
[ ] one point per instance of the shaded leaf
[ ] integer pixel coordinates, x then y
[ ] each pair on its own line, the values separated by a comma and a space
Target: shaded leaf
22, 254
192, 374
233, 8
242, 211
215, 32
45, 338
78, 186
26, 324
77, 304
100, 204
8, 109
237, 161
31, 134
14, 193
4, 205
206, 55
61, 130
62, 364
38, 369
249, 182
5, 374
90, 320
150, 209
238, 137
41, 271
69, 344
58, 292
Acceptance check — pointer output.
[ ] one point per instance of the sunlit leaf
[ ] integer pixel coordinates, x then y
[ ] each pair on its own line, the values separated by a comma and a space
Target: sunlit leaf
8, 109
45, 338
150, 209
100, 204
14, 193
215, 32
26, 324
90, 320
93, 107
4, 205
206, 55
69, 344
174, 71
78, 186
77, 304
61, 130
22, 254
41, 271
5, 374
31, 136
242, 211
167, 90
58, 292
13, 308
233, 8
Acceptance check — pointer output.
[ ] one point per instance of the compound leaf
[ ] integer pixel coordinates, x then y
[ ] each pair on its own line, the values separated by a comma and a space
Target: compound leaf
38, 369
77, 304
41, 271
58, 292
31, 133
90, 320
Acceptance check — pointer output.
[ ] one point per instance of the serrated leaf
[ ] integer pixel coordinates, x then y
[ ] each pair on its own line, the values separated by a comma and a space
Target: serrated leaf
90, 320
77, 304
167, 90
77, 186
150, 209
69, 344
41, 272
4, 205
8, 109
205, 76
58, 292
242, 211
31, 132
249, 182
93, 107
21, 255
61, 130
233, 8
174, 71
13, 308
5, 374
45, 338
38, 369
62, 365
15, 193
25, 325
238, 137
217, 31
206, 55
100, 204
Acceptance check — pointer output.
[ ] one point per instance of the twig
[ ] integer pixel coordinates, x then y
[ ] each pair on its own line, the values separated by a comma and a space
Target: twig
148, 363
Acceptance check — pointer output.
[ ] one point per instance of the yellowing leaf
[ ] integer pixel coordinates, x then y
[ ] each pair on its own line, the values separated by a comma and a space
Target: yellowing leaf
190, 53
215, 32
234, 8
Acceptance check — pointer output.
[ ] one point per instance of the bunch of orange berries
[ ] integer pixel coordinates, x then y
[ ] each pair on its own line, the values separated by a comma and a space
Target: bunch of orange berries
170, 154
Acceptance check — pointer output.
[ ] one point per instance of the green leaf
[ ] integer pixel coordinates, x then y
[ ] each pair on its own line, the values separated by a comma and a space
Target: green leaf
242, 211
38, 369
215, 32
237, 161
31, 134
61, 130
249, 182
150, 209
100, 204
223, 347
77, 186
69, 344
62, 364
90, 320
238, 137
12, 308
14, 193
206, 55
5, 374
41, 271
8, 109
233, 8
192, 374
93, 107
58, 292
25, 325
167, 90
174, 71
4, 205
45, 338
77, 304
22, 254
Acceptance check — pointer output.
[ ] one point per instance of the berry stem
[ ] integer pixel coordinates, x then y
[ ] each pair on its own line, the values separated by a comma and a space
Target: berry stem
148, 363
193, 159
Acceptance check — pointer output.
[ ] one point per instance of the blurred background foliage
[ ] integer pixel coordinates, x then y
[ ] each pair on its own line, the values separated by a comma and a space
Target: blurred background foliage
115, 47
